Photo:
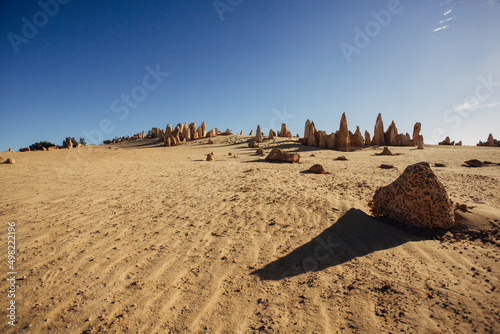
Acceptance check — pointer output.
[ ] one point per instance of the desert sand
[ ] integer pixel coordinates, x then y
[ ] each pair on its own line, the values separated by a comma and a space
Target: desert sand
140, 238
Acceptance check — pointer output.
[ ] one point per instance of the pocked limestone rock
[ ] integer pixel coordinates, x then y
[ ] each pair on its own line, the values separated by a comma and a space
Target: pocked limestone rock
323, 139
258, 136
284, 131
368, 140
386, 151
446, 141
203, 132
311, 135
342, 136
193, 132
378, 132
391, 134
357, 138
253, 143
306, 128
417, 137
278, 155
68, 144
317, 169
416, 198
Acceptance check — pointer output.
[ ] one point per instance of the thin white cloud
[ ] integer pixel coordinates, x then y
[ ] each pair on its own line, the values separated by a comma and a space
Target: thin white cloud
476, 103
441, 28
448, 12
447, 20
491, 105
493, 3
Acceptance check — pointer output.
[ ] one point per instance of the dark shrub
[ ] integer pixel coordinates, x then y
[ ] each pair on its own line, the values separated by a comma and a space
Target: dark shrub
40, 145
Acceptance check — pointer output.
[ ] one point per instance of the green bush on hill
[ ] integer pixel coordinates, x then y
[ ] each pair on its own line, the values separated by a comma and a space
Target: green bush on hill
40, 145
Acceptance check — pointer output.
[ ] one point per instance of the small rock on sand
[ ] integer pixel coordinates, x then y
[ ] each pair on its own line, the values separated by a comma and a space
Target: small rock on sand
474, 163
341, 158
253, 144
10, 161
317, 169
210, 157
278, 155
384, 166
437, 164
386, 151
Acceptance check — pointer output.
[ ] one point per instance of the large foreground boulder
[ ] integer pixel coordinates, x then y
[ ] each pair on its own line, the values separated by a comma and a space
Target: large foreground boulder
278, 155
416, 198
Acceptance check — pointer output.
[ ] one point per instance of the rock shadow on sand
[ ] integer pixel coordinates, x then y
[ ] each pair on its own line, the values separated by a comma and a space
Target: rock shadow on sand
354, 235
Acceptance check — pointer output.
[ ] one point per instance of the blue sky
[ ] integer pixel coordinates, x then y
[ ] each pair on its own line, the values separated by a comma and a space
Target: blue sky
238, 63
